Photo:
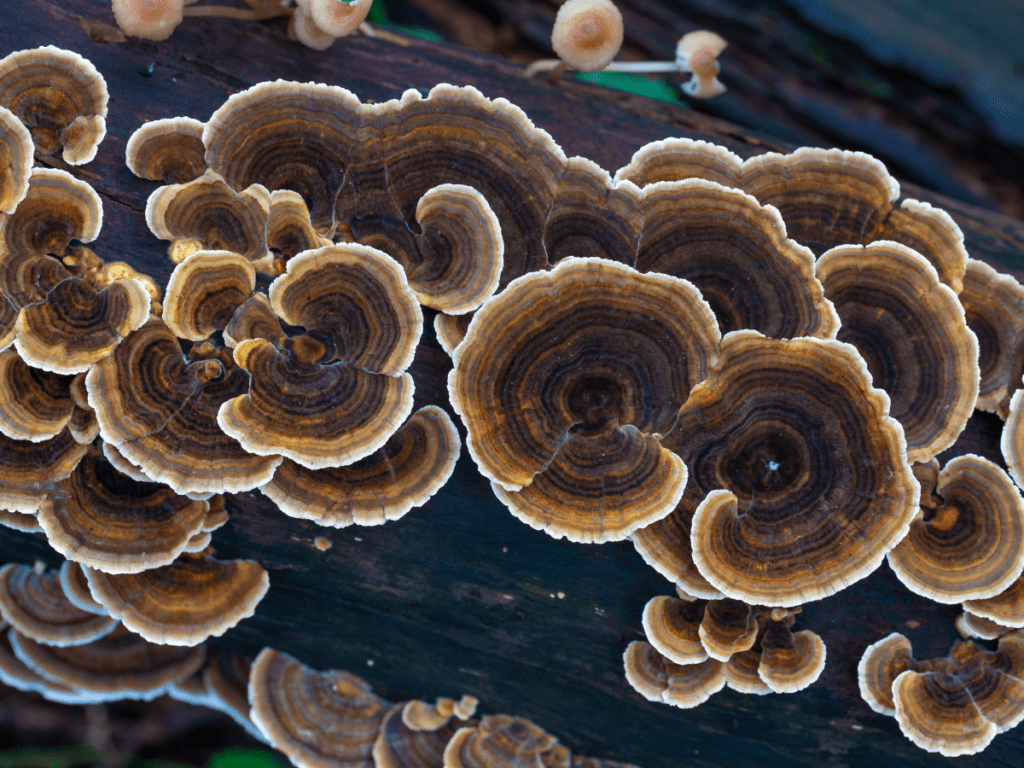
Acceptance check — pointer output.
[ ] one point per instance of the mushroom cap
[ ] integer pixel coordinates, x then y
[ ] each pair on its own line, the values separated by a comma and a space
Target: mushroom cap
226, 682
400, 745
301, 27
217, 516
827, 197
771, 432
185, 602
57, 209
159, 408
728, 627
994, 306
500, 741
405, 472
8, 317
932, 233
76, 326
210, 212
880, 665
122, 465
289, 229
972, 546
325, 719
282, 135
979, 627
587, 34
120, 664
673, 627
204, 291
451, 330
677, 158
29, 471
657, 679
738, 255
741, 673
255, 319
75, 584
911, 330
60, 96
790, 661
35, 405
20, 521
1012, 441
112, 523
1007, 607
16, 150
699, 49
36, 606
565, 353
25, 279
339, 18
169, 150
357, 301
17, 674
149, 19
83, 424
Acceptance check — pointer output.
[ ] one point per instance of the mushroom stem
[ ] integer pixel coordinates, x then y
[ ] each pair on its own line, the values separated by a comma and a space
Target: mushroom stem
545, 65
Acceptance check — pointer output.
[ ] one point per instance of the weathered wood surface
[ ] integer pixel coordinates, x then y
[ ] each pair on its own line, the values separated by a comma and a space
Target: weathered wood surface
459, 597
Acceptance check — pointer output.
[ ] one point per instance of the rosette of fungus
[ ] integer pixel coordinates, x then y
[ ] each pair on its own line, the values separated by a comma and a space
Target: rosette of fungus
768, 438
169, 150
737, 253
185, 602
564, 386
337, 394
35, 405
587, 34
405, 472
205, 290
30, 471
315, 718
16, 150
971, 545
504, 741
911, 330
659, 680
60, 96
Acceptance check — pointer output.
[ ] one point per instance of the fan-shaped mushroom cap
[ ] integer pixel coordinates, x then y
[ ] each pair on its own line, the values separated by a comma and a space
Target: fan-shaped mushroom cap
29, 471
204, 291
60, 96
699, 51
880, 665
76, 326
979, 627
354, 299
994, 305
587, 34
741, 673
257, 136
122, 465
25, 279
17, 674
1012, 441
775, 425
35, 605
970, 547
412, 466
736, 252
83, 424
75, 584
501, 741
226, 682
110, 522
559, 369
35, 405
911, 330
20, 521
186, 602
657, 679
339, 18
827, 197
673, 628
1007, 607
149, 19
678, 158
790, 661
169, 150
57, 209
16, 149
255, 319
159, 410
327, 719
8, 317
451, 330
289, 229
217, 516
932, 233
728, 627
120, 665
404, 742
210, 212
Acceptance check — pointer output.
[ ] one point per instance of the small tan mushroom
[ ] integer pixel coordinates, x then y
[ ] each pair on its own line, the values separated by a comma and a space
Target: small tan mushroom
60, 96
209, 212
36, 606
184, 603
120, 665
972, 546
911, 330
741, 673
16, 149
412, 466
169, 150
698, 52
204, 291
110, 522
339, 18
57, 209
728, 627
30, 471
657, 679
790, 661
303, 29
451, 330
35, 405
326, 719
1007, 607
149, 19
673, 628
587, 34
879, 666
